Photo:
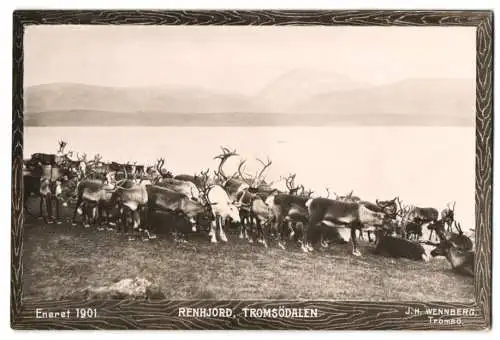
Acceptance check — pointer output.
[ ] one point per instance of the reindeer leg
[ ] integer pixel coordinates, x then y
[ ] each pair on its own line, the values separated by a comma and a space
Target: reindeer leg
213, 227
322, 241
41, 208
261, 233
136, 220
100, 217
291, 229
247, 230
354, 243
78, 203
123, 222
242, 226
49, 200
58, 203
222, 234
279, 225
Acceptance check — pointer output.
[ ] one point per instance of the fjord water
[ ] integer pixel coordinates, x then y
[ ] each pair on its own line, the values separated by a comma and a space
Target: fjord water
425, 166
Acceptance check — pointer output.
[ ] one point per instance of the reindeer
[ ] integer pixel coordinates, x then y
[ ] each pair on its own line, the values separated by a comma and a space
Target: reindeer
332, 213
222, 209
399, 247
459, 239
164, 199
163, 173
77, 167
461, 260
94, 200
51, 185
408, 227
231, 184
290, 212
252, 205
131, 198
448, 215
389, 207
185, 187
197, 179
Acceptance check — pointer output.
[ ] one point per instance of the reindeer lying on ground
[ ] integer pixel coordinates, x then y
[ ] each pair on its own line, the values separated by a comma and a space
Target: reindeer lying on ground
459, 239
399, 247
462, 261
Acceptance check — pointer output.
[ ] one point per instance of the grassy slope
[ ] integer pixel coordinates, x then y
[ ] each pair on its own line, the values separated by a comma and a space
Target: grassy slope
60, 259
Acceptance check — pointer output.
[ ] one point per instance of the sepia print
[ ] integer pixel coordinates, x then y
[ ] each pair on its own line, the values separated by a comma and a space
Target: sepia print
272, 169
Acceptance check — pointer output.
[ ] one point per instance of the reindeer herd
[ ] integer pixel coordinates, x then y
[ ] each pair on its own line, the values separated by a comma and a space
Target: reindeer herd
124, 196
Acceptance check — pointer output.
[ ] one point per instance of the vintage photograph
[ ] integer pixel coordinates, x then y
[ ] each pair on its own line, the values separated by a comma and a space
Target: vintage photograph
249, 163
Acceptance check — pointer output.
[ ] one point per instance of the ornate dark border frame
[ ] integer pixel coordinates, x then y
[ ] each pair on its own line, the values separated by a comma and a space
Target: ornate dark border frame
333, 315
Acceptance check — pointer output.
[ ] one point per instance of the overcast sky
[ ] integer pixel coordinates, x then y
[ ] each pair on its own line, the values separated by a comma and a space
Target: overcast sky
242, 59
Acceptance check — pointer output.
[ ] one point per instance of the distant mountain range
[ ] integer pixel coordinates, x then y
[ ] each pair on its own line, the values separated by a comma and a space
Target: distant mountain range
297, 98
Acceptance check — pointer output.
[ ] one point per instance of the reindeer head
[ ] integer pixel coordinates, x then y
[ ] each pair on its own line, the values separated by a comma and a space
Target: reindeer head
390, 207
307, 193
443, 247
257, 181
290, 184
448, 214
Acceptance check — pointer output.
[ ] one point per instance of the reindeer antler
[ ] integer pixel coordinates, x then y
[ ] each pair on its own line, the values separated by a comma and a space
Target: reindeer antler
327, 192
226, 154
309, 193
204, 182
62, 145
290, 184
265, 166
249, 183
159, 164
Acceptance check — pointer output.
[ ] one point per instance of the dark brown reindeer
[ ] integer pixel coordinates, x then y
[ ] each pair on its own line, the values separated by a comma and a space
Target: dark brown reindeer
170, 201
461, 260
408, 227
52, 185
335, 213
288, 210
461, 240
252, 206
